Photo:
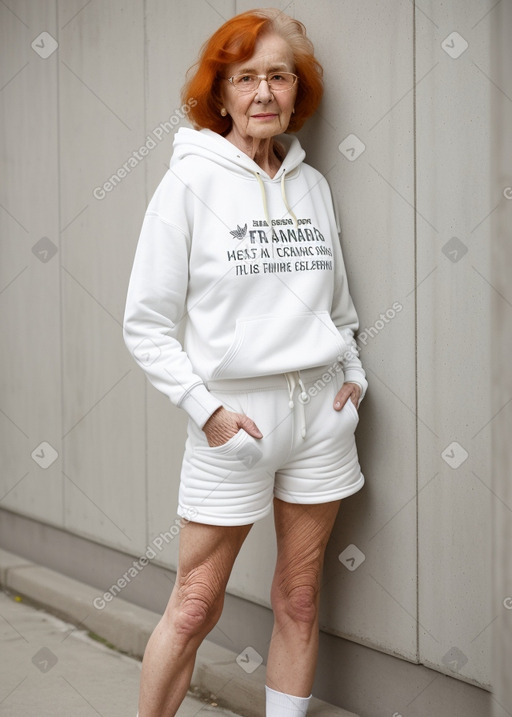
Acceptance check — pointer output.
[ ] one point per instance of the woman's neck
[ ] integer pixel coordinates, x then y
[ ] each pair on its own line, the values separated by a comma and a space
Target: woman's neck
265, 152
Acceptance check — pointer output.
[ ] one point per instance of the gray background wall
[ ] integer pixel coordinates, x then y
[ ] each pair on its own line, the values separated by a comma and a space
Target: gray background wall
415, 209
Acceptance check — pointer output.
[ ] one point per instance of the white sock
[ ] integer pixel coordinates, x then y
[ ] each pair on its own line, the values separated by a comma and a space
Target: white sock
281, 705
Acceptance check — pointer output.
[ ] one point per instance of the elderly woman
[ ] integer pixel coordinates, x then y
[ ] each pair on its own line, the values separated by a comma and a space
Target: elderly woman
238, 309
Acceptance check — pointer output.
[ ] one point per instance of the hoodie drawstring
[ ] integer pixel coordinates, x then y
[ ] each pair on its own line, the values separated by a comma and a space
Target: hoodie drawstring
264, 198
293, 380
283, 194
285, 200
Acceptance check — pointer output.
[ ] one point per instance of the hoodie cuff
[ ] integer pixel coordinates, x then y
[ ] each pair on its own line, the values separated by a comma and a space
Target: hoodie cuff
199, 403
352, 375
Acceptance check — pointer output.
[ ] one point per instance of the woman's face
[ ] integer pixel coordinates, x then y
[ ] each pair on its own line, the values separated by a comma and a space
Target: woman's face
261, 114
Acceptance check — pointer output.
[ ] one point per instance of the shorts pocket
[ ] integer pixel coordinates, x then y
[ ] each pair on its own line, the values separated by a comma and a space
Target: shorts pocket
239, 453
230, 445
237, 402
350, 408
354, 410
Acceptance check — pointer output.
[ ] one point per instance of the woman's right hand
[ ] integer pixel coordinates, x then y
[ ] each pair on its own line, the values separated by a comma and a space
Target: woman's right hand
223, 424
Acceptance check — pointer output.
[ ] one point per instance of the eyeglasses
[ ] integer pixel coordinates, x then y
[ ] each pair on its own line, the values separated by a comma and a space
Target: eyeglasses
277, 81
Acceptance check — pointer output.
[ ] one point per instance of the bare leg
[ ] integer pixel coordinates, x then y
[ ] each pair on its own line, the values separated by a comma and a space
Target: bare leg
207, 554
302, 534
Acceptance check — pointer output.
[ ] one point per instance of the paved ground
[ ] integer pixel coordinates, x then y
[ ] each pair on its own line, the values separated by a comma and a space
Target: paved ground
49, 668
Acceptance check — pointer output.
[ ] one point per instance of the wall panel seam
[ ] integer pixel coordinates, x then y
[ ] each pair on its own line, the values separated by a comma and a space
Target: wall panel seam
60, 275
145, 397
415, 253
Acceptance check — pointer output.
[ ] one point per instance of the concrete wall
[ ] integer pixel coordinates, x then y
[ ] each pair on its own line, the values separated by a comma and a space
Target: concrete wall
415, 210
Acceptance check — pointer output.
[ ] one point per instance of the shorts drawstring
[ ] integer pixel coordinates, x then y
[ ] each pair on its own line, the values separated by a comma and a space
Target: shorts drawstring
265, 204
293, 380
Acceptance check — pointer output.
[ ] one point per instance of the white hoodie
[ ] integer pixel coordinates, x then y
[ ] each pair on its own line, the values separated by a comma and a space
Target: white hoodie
215, 294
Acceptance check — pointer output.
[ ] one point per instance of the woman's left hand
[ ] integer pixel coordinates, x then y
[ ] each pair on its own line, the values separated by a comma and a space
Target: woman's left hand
349, 391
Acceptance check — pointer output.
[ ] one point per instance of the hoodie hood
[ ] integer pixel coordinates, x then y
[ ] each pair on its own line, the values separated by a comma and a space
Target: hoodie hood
213, 146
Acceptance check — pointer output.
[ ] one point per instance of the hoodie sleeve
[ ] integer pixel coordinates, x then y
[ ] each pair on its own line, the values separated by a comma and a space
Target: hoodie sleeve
344, 316
155, 311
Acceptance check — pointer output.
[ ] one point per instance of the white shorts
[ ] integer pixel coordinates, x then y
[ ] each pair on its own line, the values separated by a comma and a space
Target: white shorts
307, 454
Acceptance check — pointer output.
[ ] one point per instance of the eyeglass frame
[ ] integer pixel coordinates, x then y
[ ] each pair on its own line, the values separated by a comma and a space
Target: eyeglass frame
261, 77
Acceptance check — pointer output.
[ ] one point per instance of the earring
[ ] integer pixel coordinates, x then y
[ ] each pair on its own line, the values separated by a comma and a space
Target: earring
293, 111
223, 111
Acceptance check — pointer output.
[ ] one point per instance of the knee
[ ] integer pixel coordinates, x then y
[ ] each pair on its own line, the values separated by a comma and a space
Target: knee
298, 603
200, 598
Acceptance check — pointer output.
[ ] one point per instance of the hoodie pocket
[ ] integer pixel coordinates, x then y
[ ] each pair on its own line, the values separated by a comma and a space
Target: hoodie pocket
271, 343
